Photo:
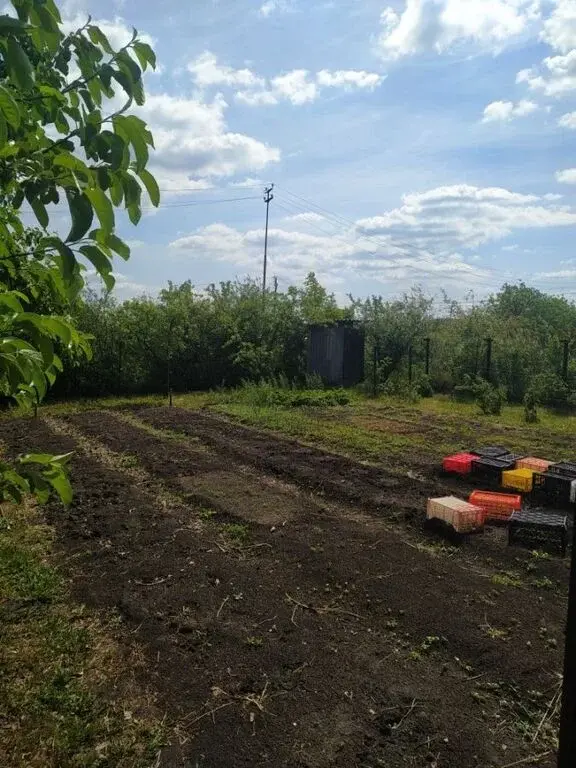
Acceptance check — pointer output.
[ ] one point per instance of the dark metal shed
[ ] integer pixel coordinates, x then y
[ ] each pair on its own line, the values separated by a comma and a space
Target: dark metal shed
336, 354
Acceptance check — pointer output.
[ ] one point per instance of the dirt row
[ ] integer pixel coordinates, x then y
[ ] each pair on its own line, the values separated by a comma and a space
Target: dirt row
320, 639
333, 475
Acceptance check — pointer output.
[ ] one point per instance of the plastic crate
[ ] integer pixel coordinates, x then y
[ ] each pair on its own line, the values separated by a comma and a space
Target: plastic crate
513, 458
519, 479
531, 462
490, 451
460, 463
539, 528
462, 516
558, 485
490, 469
565, 468
496, 506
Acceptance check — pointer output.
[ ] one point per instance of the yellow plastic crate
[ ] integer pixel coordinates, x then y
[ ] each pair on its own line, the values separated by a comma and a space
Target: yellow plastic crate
519, 479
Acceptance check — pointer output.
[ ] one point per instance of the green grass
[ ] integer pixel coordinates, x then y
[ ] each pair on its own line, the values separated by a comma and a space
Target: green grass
59, 665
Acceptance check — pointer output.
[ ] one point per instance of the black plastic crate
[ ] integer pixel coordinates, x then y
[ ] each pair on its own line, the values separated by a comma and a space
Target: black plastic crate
490, 451
539, 528
490, 469
566, 468
511, 457
558, 485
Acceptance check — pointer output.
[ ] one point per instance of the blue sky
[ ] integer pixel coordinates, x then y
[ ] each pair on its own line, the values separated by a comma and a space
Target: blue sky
426, 142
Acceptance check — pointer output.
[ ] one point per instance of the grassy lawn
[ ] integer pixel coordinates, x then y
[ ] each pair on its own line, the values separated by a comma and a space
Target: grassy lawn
64, 697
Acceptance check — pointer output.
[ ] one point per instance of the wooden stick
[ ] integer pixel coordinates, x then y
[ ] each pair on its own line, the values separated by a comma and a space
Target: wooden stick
527, 760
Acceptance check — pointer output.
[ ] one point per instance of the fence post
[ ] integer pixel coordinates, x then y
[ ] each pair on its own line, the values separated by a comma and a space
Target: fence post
410, 364
565, 360
488, 359
375, 355
567, 745
427, 343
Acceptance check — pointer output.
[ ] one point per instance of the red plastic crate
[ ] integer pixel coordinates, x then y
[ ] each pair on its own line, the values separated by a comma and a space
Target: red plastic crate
461, 463
497, 506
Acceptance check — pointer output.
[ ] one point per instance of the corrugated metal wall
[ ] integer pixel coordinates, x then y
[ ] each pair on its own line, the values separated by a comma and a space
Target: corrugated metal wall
336, 353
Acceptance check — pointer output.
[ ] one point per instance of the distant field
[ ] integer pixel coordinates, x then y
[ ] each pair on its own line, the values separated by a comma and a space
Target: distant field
270, 566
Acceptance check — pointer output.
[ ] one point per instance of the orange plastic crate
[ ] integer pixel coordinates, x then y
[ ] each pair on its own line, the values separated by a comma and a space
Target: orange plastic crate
496, 506
462, 516
460, 463
531, 462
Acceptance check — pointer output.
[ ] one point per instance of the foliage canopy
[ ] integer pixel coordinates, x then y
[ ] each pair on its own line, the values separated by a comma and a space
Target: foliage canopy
66, 137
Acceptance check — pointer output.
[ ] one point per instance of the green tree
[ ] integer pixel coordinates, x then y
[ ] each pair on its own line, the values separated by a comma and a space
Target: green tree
59, 142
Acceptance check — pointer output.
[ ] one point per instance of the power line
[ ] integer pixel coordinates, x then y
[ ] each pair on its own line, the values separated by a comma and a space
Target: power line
394, 260
193, 203
343, 221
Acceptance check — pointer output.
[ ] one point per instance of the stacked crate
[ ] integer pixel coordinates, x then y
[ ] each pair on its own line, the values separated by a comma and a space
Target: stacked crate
462, 516
531, 462
519, 479
497, 507
459, 463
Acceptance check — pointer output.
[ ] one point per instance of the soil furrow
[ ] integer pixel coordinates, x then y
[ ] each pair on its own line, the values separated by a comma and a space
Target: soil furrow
321, 642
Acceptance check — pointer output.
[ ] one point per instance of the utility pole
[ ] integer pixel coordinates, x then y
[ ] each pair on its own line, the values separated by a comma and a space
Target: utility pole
268, 197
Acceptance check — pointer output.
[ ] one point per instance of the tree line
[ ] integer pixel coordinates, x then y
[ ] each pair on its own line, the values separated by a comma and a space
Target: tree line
185, 339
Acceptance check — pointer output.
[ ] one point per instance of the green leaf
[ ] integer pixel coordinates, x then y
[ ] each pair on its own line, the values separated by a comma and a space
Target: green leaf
11, 301
9, 107
151, 187
67, 160
134, 213
40, 210
37, 458
82, 215
145, 54
99, 38
103, 208
118, 246
101, 264
61, 484
18, 65
68, 264
3, 131
10, 25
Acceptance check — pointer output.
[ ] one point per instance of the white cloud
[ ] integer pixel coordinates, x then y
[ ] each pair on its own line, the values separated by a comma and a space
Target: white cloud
431, 237
567, 176
463, 216
275, 6
256, 98
555, 77
349, 79
194, 145
247, 183
568, 121
116, 30
294, 253
298, 86
560, 28
310, 217
206, 72
442, 25
295, 86
507, 110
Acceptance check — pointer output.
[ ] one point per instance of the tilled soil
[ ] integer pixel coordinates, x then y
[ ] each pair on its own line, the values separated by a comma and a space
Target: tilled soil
318, 637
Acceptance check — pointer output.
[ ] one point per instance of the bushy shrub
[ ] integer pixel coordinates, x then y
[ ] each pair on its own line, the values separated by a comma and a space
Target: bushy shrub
550, 389
489, 398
